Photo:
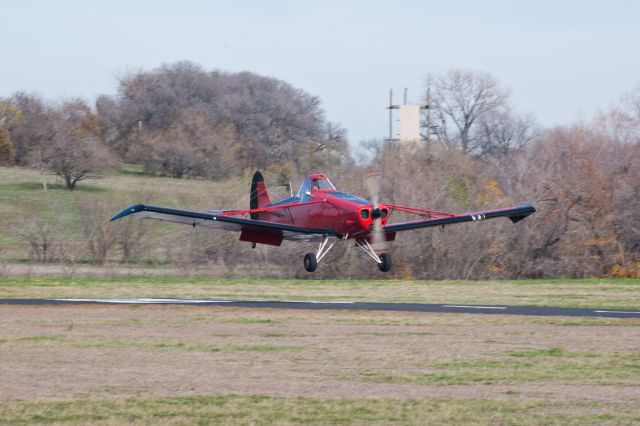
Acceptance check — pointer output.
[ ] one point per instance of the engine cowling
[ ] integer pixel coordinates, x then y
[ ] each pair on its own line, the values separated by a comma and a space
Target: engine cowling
365, 215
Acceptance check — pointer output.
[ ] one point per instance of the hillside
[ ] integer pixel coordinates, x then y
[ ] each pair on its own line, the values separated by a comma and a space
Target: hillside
70, 221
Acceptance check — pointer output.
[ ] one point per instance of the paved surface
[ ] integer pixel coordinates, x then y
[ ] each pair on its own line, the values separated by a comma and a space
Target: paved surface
347, 305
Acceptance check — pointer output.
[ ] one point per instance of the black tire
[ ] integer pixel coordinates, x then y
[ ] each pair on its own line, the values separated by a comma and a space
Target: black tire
310, 262
385, 266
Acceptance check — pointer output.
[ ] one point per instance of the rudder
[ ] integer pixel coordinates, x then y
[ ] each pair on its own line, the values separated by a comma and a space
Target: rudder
259, 196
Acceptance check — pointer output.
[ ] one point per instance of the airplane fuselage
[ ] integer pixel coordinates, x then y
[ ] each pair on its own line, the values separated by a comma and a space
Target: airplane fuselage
315, 207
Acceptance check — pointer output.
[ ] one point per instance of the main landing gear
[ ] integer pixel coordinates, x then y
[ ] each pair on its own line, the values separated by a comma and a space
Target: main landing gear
311, 260
383, 261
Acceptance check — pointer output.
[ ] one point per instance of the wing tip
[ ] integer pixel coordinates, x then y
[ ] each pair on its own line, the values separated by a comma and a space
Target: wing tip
129, 210
523, 212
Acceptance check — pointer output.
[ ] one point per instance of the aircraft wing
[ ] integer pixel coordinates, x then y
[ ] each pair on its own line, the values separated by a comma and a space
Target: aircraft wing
515, 214
265, 232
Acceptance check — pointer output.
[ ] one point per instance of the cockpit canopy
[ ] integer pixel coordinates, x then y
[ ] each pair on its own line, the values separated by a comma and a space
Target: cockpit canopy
314, 183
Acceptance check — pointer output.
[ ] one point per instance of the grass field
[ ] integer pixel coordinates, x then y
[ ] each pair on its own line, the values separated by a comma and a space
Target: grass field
588, 293
200, 365
24, 201
179, 365
263, 410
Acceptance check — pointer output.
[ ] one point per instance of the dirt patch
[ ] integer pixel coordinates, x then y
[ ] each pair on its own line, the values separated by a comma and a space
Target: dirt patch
69, 351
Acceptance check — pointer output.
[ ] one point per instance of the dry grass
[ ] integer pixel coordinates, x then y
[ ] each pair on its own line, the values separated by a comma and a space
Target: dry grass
167, 364
596, 293
262, 410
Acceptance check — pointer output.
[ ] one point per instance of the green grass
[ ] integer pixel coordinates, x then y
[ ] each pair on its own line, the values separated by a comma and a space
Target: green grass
124, 343
610, 293
132, 169
262, 410
539, 365
55, 187
23, 201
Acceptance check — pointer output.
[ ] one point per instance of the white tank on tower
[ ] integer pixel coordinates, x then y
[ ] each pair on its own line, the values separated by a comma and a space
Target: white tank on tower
410, 118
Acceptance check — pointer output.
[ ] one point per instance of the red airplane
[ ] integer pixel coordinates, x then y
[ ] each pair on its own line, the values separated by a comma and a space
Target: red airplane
318, 212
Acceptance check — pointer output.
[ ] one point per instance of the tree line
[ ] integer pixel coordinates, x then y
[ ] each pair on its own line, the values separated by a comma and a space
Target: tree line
583, 178
182, 121
178, 120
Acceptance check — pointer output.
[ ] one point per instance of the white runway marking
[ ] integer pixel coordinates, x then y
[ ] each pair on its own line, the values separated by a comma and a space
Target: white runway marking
618, 312
474, 307
333, 302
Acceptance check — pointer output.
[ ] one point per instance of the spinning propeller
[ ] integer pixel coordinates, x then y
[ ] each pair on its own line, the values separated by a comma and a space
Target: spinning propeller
378, 236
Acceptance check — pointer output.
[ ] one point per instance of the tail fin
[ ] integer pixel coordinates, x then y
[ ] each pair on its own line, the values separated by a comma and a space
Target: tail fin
259, 195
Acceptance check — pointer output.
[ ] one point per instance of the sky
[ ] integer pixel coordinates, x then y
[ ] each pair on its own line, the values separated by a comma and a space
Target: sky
562, 60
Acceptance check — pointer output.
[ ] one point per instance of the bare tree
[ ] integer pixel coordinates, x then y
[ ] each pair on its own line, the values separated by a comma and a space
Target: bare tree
621, 122
460, 99
75, 152
631, 103
132, 237
371, 149
30, 127
100, 236
501, 132
44, 237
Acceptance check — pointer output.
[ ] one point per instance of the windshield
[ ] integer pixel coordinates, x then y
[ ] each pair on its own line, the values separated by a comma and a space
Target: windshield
323, 184
315, 184
304, 188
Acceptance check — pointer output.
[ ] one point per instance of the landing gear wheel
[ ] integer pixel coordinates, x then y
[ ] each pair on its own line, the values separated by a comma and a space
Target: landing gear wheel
385, 266
310, 262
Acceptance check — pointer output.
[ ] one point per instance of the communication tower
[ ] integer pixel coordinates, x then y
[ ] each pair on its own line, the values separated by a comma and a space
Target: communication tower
410, 118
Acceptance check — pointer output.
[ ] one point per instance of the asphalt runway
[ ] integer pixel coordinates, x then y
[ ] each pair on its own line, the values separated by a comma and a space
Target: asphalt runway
346, 305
